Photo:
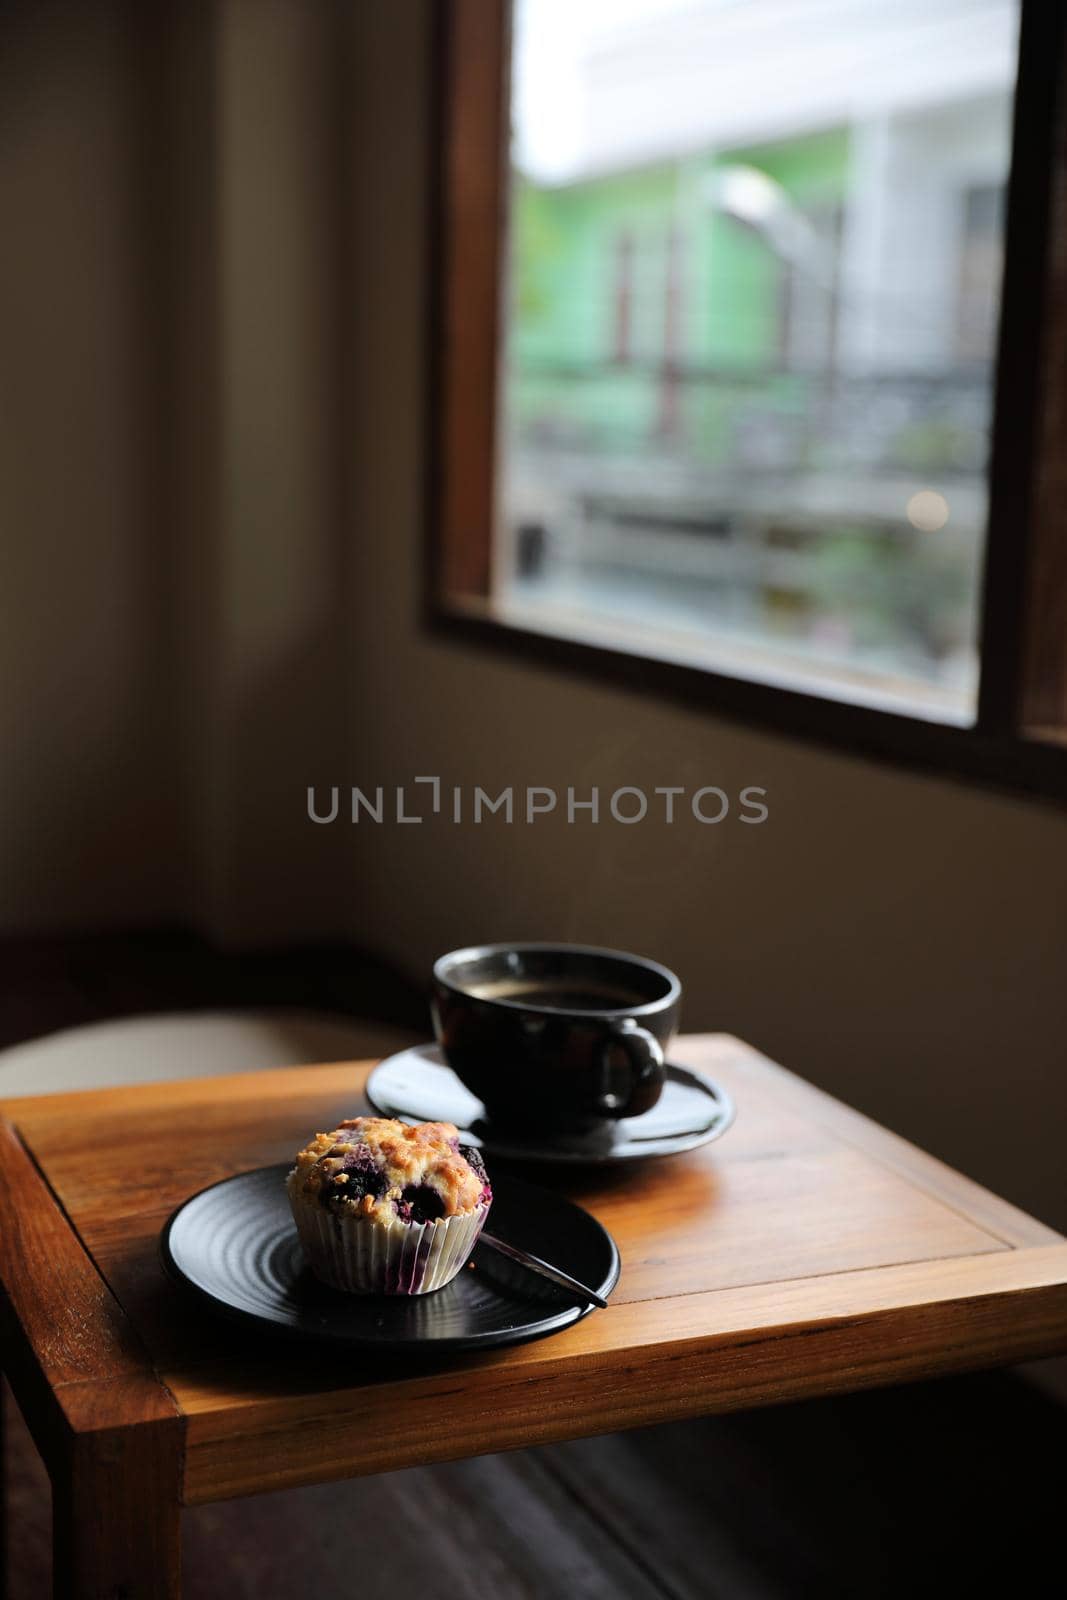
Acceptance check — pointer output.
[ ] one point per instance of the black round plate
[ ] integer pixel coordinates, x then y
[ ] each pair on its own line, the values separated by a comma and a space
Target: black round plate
417, 1086
235, 1244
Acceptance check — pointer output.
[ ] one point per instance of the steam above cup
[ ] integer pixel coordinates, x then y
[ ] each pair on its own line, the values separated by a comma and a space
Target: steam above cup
555, 1036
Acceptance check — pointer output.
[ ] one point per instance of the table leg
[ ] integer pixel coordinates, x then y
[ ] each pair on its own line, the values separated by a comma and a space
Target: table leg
116, 1518
4, 1585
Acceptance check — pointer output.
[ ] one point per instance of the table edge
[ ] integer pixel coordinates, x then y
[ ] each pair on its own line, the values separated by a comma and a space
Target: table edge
73, 1357
549, 1395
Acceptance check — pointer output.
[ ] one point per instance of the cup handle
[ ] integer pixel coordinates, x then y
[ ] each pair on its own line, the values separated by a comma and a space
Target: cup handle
644, 1057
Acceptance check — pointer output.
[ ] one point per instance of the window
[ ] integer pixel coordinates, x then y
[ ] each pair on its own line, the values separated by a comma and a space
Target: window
721, 402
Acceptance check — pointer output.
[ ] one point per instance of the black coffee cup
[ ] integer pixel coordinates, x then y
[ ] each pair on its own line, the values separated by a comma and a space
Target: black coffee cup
555, 1036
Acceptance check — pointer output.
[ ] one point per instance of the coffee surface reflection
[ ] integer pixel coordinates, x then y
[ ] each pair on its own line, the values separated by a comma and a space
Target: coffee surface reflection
557, 994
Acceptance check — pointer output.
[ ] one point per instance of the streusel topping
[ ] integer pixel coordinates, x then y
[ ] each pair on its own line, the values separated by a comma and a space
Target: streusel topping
376, 1167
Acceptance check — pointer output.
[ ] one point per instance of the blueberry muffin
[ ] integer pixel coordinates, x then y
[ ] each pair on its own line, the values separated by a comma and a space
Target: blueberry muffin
385, 1208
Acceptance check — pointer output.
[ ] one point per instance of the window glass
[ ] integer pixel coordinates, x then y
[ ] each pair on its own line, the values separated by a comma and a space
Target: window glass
754, 261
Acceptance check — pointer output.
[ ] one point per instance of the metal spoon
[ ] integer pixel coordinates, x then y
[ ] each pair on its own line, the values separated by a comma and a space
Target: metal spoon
535, 1264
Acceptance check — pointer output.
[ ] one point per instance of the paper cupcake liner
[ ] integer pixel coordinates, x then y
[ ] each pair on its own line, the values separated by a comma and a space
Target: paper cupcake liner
364, 1256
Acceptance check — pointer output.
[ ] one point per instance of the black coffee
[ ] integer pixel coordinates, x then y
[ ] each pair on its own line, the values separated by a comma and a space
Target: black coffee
558, 994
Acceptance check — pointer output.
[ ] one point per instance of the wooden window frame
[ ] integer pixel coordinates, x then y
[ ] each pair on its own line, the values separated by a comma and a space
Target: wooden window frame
1019, 740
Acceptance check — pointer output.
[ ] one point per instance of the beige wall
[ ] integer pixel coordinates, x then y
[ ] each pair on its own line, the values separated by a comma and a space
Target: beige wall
272, 699
171, 466
165, 698
85, 678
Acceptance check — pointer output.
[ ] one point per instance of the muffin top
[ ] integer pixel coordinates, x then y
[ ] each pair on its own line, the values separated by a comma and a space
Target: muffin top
376, 1167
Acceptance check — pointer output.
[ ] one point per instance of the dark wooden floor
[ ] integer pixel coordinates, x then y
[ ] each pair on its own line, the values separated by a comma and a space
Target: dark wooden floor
950, 1488
954, 1488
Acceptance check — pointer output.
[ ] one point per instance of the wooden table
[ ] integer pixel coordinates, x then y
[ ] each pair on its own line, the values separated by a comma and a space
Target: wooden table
809, 1252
